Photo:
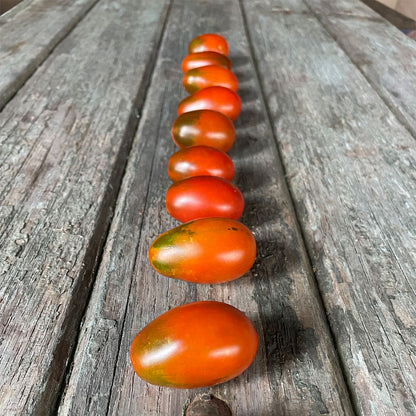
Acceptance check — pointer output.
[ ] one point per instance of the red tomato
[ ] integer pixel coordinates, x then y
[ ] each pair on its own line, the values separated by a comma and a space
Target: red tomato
196, 60
194, 345
203, 127
219, 99
202, 197
209, 76
208, 42
208, 250
200, 161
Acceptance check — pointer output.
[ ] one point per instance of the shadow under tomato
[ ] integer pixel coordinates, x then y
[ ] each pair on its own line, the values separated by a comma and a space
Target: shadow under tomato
258, 212
282, 342
243, 76
247, 94
239, 61
249, 117
249, 177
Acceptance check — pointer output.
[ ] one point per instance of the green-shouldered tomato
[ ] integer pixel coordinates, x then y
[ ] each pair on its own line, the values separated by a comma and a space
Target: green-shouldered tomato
208, 250
209, 76
200, 161
208, 42
194, 345
202, 197
220, 99
203, 127
196, 60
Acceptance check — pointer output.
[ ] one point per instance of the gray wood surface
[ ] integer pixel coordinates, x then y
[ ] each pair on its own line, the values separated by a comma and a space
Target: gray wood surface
397, 19
64, 139
296, 370
350, 165
385, 56
28, 33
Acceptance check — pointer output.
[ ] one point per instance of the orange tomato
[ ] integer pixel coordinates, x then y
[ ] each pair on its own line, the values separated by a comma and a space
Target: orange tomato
208, 250
208, 42
203, 127
194, 345
196, 60
200, 161
208, 76
202, 197
216, 98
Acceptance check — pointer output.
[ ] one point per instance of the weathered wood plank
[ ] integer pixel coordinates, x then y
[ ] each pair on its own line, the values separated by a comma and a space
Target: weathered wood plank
350, 165
397, 19
64, 139
385, 55
296, 370
28, 33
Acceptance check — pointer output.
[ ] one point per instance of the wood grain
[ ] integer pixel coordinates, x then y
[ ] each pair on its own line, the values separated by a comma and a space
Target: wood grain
296, 370
64, 139
386, 57
397, 19
28, 34
350, 165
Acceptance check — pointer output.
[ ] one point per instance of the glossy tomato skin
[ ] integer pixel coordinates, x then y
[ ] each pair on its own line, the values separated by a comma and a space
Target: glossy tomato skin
194, 345
203, 127
200, 161
203, 197
216, 98
208, 42
209, 250
209, 76
196, 60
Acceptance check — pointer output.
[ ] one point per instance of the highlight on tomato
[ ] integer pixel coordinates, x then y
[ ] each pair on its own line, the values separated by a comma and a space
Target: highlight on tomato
208, 250
200, 161
216, 98
209, 76
202, 197
208, 42
203, 127
196, 60
194, 345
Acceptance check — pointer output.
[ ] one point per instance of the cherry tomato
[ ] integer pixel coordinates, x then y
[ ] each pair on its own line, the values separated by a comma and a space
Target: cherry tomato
219, 99
208, 76
208, 250
194, 345
203, 127
202, 197
208, 42
200, 161
196, 60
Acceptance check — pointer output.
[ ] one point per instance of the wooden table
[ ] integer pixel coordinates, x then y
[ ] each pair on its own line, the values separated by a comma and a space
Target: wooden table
325, 157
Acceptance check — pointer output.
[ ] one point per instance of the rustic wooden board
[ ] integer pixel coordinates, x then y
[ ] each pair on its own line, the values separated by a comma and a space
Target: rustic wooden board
64, 139
350, 165
28, 34
296, 370
397, 19
386, 57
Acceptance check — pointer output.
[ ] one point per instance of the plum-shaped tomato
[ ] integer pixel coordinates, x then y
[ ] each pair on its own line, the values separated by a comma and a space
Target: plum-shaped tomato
203, 127
209, 76
200, 161
209, 250
202, 197
196, 60
208, 42
220, 99
194, 345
